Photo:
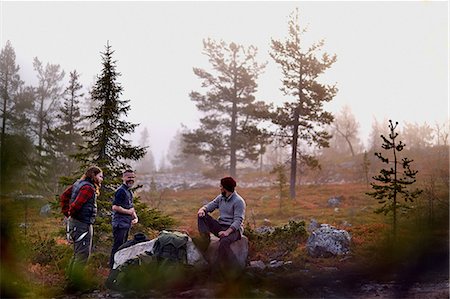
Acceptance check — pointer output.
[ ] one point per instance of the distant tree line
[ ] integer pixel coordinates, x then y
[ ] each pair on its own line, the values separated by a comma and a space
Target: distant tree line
238, 129
51, 131
53, 128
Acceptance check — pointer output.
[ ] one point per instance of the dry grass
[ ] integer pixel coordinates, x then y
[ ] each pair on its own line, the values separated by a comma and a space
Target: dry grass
355, 214
263, 205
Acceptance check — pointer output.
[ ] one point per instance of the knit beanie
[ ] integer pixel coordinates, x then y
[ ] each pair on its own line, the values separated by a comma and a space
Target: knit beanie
228, 183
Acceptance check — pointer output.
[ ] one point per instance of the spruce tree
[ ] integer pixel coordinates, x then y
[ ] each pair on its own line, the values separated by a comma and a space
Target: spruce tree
394, 183
105, 144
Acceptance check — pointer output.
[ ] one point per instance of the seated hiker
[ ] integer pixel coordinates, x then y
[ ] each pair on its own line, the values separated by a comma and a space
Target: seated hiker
228, 227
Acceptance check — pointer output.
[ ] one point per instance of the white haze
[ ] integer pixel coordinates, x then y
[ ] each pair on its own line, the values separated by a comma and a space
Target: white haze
392, 56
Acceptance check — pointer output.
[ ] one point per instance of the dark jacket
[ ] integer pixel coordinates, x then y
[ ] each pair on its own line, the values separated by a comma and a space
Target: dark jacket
88, 211
124, 198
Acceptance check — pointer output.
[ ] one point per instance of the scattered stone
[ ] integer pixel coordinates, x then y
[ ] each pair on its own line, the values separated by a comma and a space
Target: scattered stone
347, 224
275, 264
45, 210
257, 264
265, 230
334, 202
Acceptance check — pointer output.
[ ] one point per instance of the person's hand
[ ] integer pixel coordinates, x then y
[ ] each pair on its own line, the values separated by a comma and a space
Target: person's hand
223, 233
134, 221
201, 212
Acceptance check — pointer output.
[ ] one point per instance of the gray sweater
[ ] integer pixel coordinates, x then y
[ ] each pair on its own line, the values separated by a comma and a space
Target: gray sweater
232, 210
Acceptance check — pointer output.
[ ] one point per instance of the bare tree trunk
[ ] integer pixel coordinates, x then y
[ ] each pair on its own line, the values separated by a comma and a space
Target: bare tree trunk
350, 146
2, 140
395, 192
4, 116
293, 177
233, 140
41, 125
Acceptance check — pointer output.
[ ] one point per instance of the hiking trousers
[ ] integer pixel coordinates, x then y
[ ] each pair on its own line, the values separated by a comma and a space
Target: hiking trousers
81, 235
225, 255
120, 236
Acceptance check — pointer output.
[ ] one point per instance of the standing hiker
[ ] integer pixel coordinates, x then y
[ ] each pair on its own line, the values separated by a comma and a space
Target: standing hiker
228, 227
124, 214
79, 204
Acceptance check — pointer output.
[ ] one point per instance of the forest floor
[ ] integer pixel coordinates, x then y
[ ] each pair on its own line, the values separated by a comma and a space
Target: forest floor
418, 268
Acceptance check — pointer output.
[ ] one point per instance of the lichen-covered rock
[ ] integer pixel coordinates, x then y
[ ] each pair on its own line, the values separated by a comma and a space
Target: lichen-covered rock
328, 241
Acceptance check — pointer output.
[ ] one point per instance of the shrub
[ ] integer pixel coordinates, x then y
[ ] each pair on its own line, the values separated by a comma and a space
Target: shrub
46, 251
285, 238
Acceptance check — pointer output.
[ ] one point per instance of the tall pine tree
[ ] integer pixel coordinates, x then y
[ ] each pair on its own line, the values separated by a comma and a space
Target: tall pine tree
47, 96
303, 118
63, 139
10, 84
229, 131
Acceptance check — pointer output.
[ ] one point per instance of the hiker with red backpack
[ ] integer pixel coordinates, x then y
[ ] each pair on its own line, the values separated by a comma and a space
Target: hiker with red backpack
79, 204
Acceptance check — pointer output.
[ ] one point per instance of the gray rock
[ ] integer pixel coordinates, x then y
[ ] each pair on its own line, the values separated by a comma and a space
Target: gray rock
313, 225
45, 210
328, 241
239, 248
334, 202
265, 230
257, 264
275, 264
194, 256
131, 252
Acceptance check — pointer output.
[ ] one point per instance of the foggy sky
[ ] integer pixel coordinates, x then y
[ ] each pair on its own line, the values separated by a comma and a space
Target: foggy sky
392, 57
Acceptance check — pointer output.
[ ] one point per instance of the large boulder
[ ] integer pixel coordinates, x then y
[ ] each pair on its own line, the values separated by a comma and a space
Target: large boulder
194, 256
239, 248
328, 241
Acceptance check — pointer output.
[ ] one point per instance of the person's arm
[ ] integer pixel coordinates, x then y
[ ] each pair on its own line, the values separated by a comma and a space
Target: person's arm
226, 232
85, 193
212, 205
64, 201
122, 210
238, 218
135, 218
119, 199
